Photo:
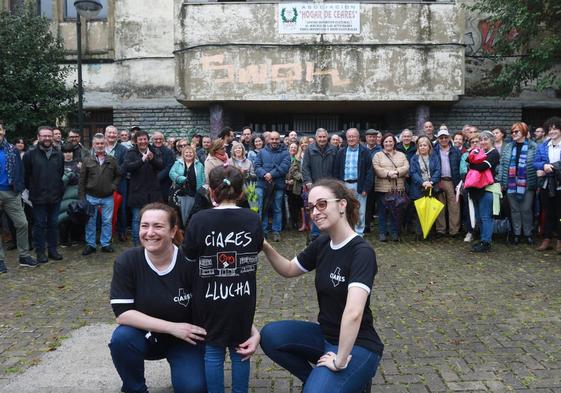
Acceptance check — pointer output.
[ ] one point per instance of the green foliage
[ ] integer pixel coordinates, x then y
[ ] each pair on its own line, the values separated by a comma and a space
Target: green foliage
32, 82
528, 43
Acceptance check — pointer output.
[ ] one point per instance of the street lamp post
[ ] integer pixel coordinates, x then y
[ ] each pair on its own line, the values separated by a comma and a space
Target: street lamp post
86, 9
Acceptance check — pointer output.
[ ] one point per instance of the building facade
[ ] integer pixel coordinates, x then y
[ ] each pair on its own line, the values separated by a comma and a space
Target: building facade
187, 66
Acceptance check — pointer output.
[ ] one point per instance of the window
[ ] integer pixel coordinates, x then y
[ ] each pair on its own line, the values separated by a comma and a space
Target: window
45, 8
70, 10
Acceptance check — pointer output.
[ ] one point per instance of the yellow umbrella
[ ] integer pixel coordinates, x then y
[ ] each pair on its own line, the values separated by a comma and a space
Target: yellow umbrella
428, 209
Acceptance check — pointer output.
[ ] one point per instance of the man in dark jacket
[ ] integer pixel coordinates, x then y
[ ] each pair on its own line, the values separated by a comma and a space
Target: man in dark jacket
168, 158
317, 164
353, 165
373, 147
79, 152
143, 163
11, 186
449, 158
271, 167
44, 167
99, 178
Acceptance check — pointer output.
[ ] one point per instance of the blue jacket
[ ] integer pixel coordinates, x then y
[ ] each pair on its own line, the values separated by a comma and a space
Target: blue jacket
177, 172
365, 177
542, 158
506, 154
276, 162
15, 176
416, 190
454, 158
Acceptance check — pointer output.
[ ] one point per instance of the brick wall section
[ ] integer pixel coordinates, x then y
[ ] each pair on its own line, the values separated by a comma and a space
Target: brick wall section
484, 115
172, 121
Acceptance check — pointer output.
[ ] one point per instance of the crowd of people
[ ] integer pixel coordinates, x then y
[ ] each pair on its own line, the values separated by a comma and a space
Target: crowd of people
125, 170
191, 275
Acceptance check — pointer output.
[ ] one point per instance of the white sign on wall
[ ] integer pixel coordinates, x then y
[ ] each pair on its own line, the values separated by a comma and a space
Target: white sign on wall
319, 18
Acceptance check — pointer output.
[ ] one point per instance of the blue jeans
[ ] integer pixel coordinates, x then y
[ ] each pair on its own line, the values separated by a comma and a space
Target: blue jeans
295, 345
135, 225
383, 215
106, 205
484, 215
277, 210
45, 219
214, 368
129, 348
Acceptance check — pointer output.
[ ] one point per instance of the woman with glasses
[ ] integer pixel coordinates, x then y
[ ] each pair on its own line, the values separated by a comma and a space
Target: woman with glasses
484, 198
518, 179
391, 168
344, 346
473, 143
179, 146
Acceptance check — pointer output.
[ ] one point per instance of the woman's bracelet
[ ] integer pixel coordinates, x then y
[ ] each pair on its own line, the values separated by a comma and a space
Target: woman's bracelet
338, 368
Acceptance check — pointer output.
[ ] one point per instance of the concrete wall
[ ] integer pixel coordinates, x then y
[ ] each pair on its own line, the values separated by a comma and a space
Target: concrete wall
404, 52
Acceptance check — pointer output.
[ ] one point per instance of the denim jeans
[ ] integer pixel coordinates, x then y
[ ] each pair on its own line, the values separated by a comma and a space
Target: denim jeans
214, 368
383, 215
277, 210
295, 345
45, 219
135, 225
106, 205
129, 348
359, 227
484, 215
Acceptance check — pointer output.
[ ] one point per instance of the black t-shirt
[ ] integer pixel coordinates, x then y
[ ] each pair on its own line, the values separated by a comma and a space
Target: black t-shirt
138, 285
350, 264
224, 244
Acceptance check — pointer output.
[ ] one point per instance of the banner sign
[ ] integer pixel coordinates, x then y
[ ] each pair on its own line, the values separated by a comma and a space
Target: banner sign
319, 18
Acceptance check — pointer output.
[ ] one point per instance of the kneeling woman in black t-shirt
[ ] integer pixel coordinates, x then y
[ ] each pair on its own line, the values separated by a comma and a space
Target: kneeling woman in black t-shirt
344, 345
151, 297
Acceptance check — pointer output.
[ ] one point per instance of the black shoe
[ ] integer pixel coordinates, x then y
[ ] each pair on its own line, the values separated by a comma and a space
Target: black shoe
530, 240
42, 258
516, 240
28, 261
481, 247
11, 245
88, 250
3, 268
108, 248
55, 256
383, 238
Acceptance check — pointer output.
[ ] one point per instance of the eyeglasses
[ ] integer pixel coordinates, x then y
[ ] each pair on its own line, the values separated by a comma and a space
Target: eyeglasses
321, 204
515, 132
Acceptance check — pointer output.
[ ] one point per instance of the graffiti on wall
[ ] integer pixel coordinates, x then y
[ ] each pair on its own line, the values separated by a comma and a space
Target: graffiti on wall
255, 74
481, 36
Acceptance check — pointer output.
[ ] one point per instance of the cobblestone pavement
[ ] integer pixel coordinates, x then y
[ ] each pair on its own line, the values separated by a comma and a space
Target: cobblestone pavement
450, 320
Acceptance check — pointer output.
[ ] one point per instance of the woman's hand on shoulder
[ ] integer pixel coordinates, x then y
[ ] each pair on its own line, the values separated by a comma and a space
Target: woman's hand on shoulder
249, 346
188, 332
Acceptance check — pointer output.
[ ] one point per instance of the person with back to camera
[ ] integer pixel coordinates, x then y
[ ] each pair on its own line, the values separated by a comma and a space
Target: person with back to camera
344, 345
151, 297
223, 243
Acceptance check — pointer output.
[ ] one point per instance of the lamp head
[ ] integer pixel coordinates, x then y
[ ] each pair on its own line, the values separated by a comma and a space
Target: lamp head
88, 8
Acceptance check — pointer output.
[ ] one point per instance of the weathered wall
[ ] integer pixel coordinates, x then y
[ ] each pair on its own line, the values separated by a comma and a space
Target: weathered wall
404, 52
171, 120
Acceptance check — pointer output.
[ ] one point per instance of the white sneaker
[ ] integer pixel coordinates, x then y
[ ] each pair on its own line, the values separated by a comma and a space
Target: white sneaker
468, 238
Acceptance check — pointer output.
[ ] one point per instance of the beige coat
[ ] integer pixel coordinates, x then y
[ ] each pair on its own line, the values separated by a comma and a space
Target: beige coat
383, 165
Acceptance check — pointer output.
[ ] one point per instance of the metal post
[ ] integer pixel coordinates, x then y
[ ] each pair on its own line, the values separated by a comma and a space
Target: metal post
216, 119
80, 87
